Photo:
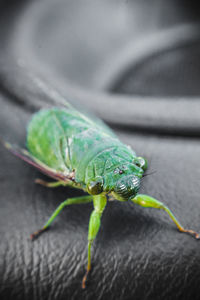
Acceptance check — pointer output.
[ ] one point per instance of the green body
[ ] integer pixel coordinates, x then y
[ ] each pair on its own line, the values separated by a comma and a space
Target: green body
68, 141
82, 152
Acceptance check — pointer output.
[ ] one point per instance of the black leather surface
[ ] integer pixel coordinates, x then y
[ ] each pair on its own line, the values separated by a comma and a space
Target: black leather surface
138, 254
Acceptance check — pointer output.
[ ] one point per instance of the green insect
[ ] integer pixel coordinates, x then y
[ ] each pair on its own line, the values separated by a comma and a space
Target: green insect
82, 152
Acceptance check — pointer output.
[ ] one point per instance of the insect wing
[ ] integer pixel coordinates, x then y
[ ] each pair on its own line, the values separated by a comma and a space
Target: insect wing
26, 156
89, 116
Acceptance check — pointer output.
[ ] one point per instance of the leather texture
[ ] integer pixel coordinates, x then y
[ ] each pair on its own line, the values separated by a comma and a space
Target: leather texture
138, 253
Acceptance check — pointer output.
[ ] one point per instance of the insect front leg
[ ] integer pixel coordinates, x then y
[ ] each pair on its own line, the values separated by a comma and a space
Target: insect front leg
69, 201
147, 201
94, 225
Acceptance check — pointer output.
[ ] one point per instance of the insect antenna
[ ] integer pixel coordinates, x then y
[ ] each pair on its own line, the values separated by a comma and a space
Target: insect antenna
153, 172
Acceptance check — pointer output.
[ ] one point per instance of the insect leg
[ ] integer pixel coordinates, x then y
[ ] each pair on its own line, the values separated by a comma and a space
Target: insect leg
49, 184
69, 201
147, 201
94, 225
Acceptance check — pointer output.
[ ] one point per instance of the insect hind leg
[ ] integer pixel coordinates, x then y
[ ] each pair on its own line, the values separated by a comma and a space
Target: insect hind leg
69, 201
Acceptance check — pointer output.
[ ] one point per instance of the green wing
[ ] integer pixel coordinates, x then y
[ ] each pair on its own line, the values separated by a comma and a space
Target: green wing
52, 133
86, 114
30, 159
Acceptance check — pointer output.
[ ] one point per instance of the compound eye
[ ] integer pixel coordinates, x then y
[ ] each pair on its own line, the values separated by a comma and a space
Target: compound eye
95, 187
140, 162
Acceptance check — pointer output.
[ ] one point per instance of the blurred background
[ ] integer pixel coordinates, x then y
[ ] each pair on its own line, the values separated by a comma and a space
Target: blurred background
108, 52
135, 64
